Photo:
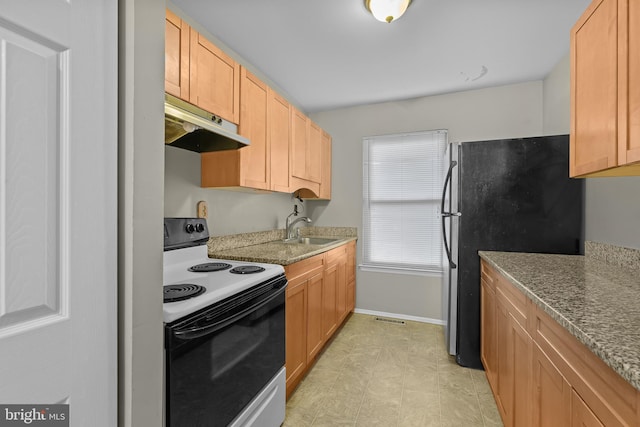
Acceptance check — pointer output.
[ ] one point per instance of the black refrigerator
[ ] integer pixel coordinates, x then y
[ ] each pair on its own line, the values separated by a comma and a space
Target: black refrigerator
511, 195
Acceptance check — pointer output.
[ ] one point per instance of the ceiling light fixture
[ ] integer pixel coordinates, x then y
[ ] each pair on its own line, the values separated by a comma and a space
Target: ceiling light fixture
387, 10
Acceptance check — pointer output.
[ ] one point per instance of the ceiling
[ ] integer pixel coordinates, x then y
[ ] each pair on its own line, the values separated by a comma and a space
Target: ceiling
329, 54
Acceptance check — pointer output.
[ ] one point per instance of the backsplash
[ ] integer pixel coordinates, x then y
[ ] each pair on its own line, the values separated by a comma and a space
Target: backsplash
614, 255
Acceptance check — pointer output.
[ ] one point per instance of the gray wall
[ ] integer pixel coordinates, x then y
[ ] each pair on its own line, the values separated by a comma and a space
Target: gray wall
612, 205
230, 212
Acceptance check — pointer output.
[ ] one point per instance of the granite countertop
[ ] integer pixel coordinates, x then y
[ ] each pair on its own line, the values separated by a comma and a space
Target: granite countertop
268, 246
596, 301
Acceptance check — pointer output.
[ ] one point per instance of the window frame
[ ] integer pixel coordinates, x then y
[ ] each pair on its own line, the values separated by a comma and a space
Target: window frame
438, 136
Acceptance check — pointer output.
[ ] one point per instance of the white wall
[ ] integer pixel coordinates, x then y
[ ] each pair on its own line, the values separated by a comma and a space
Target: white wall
140, 191
501, 112
612, 205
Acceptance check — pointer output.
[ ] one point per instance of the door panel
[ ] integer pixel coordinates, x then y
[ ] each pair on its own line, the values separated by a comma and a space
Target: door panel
58, 138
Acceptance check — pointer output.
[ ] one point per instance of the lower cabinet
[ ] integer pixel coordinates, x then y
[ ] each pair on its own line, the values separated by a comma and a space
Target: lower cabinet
552, 394
539, 373
317, 304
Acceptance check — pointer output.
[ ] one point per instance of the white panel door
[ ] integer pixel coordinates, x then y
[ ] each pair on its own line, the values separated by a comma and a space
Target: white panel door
58, 228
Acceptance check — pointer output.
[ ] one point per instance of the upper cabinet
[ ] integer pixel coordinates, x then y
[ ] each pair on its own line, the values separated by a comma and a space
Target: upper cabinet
176, 56
605, 90
306, 155
249, 166
264, 164
287, 151
200, 73
279, 134
214, 79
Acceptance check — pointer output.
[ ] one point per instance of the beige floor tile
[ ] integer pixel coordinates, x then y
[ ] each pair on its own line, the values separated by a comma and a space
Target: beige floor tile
376, 373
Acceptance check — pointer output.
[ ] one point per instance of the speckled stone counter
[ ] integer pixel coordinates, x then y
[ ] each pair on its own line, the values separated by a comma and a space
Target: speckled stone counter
267, 246
595, 298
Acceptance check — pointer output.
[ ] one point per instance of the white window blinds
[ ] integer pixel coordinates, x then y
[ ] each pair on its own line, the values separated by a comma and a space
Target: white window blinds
402, 187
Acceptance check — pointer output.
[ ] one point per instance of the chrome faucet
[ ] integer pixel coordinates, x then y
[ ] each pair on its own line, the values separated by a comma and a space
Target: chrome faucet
290, 224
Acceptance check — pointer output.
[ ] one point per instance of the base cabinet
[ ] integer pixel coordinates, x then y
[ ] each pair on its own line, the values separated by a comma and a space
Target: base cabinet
316, 305
552, 393
541, 375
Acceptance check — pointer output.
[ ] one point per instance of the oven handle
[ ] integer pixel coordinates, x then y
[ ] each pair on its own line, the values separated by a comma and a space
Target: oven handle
193, 333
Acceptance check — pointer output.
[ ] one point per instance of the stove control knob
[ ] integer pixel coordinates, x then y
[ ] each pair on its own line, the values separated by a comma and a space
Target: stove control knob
190, 228
199, 227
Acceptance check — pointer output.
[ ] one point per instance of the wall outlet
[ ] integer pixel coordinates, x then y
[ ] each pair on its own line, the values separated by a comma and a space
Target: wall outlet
203, 210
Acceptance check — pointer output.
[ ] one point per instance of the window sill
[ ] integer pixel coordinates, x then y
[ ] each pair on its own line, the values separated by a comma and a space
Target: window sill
400, 270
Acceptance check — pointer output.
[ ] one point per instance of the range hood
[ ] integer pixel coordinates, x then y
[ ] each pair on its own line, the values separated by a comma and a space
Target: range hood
189, 127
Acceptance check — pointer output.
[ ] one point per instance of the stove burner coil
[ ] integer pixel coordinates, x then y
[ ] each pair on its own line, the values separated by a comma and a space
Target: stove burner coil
209, 267
174, 293
246, 269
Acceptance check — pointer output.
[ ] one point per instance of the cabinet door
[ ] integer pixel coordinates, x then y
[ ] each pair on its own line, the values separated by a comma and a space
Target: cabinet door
341, 289
254, 159
488, 330
214, 79
351, 276
314, 153
329, 288
279, 141
514, 367
299, 137
176, 56
315, 335
594, 89
325, 183
296, 333
629, 90
581, 414
552, 393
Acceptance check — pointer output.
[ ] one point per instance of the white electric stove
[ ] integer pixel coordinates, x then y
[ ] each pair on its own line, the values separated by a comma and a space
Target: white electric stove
220, 279
224, 334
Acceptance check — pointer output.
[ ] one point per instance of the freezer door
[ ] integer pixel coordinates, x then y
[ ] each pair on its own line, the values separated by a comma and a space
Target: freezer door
449, 213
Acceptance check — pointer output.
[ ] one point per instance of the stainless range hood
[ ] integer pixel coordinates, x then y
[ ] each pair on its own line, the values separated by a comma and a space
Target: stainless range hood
189, 127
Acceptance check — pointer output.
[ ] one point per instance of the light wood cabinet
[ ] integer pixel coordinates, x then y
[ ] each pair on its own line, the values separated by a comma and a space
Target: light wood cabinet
581, 414
351, 277
214, 79
314, 153
295, 330
551, 394
249, 166
315, 315
488, 347
303, 311
199, 72
605, 90
336, 270
543, 375
306, 154
264, 164
329, 290
288, 152
176, 56
279, 128
317, 286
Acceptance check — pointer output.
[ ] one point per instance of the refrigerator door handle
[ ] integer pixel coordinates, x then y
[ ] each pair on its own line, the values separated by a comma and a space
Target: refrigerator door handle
445, 215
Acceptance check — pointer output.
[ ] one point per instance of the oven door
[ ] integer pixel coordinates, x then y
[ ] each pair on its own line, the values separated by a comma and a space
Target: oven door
219, 359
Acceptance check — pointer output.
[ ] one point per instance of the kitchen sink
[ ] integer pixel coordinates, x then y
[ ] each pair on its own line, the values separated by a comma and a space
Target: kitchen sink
320, 241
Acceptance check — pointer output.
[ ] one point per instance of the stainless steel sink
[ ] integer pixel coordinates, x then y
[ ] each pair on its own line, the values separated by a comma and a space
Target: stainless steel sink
320, 241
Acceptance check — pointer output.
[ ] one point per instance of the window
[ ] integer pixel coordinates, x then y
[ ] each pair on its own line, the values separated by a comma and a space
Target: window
402, 187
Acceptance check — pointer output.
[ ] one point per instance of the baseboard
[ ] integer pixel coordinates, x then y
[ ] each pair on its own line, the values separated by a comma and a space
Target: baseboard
400, 316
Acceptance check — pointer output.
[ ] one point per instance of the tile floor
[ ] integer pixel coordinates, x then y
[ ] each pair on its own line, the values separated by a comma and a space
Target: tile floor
377, 373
